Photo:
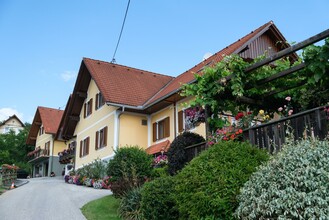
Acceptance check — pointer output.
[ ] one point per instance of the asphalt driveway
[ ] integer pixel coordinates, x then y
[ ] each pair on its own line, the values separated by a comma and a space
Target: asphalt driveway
48, 199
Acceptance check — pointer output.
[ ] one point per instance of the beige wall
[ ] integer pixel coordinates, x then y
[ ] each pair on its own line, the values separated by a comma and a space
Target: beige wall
160, 115
131, 130
58, 147
43, 139
87, 127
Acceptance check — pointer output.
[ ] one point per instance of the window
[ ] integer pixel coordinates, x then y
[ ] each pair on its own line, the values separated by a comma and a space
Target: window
84, 147
161, 129
101, 138
99, 101
41, 131
47, 147
88, 108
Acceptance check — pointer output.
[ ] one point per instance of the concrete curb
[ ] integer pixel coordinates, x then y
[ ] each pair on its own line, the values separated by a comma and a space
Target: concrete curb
20, 182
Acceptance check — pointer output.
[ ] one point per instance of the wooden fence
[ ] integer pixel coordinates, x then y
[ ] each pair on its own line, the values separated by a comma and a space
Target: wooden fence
272, 135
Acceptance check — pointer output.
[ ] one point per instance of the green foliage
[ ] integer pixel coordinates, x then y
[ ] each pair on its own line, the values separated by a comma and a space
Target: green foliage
219, 93
157, 199
129, 168
13, 149
94, 170
207, 187
127, 159
130, 205
159, 172
293, 185
176, 154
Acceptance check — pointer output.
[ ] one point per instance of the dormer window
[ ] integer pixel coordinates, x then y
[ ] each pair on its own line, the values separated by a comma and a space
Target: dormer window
99, 100
88, 107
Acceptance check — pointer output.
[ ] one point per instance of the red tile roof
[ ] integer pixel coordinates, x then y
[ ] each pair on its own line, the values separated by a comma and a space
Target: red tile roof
50, 119
188, 76
125, 85
156, 148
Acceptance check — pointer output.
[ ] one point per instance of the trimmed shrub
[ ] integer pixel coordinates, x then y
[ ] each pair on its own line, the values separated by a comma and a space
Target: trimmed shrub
128, 158
157, 199
159, 172
129, 168
177, 157
207, 187
129, 207
293, 185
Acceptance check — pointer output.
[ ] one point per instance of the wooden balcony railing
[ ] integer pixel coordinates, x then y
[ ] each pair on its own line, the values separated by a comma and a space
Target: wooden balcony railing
271, 136
39, 153
66, 156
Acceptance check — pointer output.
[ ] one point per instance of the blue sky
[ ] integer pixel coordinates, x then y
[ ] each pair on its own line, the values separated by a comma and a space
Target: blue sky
43, 42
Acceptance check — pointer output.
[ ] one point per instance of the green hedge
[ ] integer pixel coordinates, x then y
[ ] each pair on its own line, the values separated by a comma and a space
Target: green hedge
207, 187
158, 201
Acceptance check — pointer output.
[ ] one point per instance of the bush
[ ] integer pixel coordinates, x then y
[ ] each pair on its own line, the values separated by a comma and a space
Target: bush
293, 185
129, 207
94, 170
157, 199
128, 158
207, 187
177, 157
128, 169
159, 172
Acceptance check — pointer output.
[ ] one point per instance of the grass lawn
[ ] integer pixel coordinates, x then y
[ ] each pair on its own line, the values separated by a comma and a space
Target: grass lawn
103, 208
2, 189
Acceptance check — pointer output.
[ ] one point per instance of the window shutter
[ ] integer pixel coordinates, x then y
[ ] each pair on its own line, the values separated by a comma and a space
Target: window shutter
84, 110
180, 121
87, 146
96, 140
97, 97
80, 148
91, 105
105, 136
166, 127
154, 132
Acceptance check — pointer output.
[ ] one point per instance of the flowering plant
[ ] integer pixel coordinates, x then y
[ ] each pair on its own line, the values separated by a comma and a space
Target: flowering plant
194, 116
244, 119
225, 134
264, 115
287, 109
88, 182
107, 182
98, 184
160, 160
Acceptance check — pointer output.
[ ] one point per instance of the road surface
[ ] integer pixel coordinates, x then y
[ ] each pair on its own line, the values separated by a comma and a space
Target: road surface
47, 198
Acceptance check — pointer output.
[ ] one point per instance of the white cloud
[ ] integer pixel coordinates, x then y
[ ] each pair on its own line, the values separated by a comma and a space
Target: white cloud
5, 113
68, 75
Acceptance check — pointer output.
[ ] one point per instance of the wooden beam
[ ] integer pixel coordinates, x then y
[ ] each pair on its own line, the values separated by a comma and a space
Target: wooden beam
289, 50
277, 75
282, 74
82, 94
247, 100
74, 118
33, 138
276, 91
37, 123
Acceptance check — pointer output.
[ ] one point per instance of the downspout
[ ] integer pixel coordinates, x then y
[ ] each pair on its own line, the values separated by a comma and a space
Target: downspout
118, 127
175, 120
50, 165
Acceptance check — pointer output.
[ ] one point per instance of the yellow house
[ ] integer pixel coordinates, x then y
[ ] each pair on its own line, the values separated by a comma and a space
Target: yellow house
44, 158
114, 105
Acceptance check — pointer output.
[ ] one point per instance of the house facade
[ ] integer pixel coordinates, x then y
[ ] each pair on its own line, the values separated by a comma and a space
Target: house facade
12, 123
44, 158
113, 106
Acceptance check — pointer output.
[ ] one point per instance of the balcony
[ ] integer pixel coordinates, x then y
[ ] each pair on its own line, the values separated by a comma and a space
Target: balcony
38, 155
67, 155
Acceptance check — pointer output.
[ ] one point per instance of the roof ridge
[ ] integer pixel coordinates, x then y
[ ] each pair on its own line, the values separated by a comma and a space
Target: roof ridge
128, 67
